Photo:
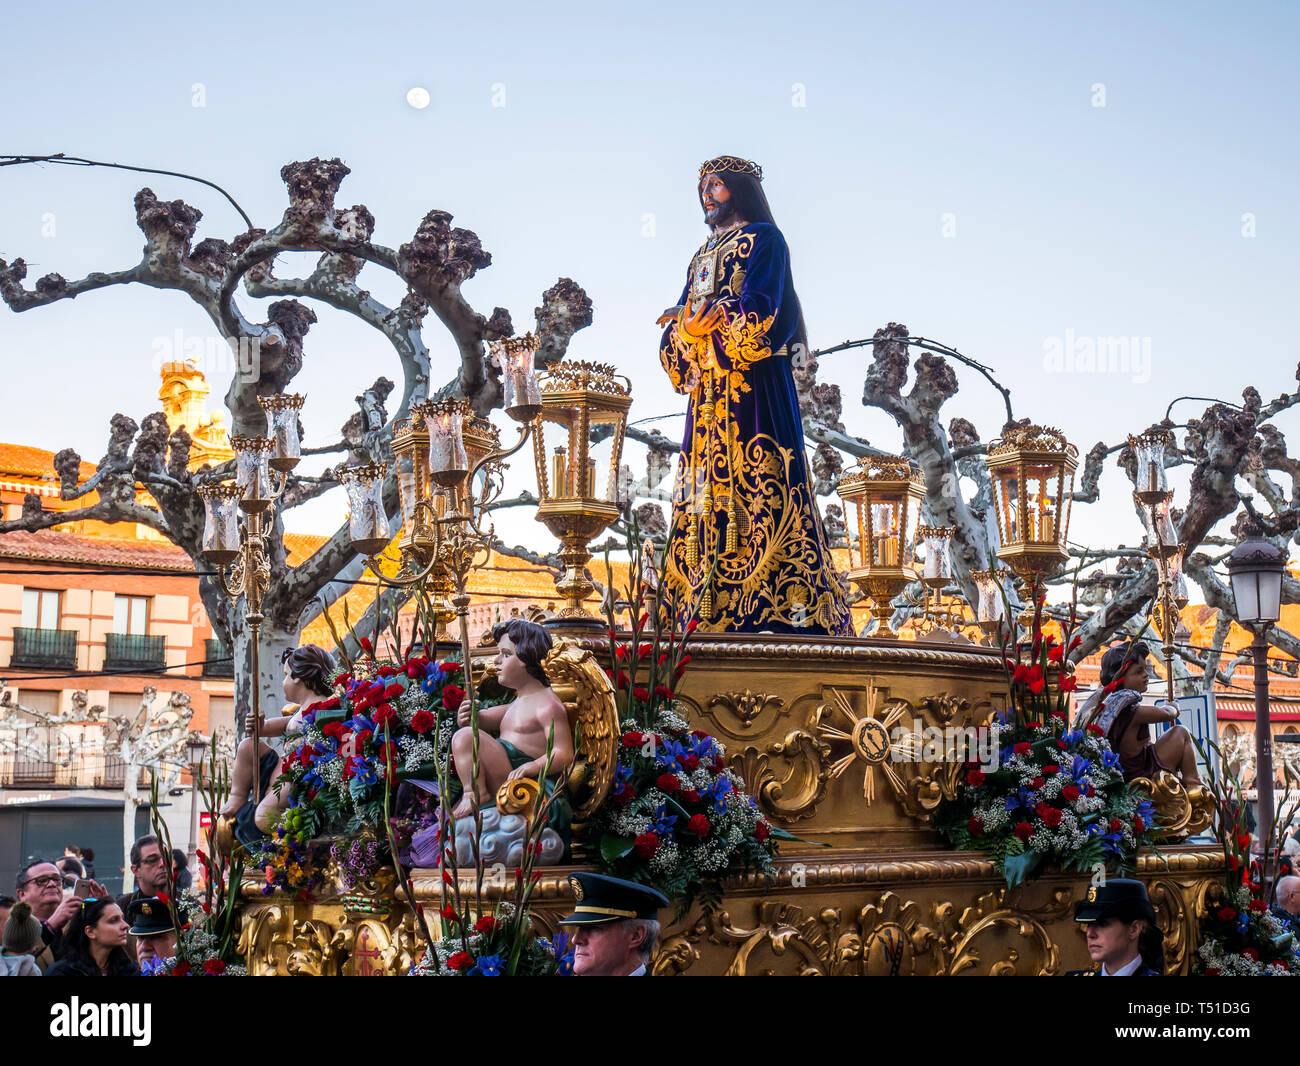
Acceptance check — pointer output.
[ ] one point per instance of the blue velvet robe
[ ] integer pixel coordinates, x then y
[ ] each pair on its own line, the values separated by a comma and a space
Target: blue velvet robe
746, 549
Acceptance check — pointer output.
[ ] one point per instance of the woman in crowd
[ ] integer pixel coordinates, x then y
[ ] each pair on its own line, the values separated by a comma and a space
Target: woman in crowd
95, 943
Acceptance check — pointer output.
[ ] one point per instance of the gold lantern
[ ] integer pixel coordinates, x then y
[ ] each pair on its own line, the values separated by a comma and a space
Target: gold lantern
576, 396
887, 494
1032, 470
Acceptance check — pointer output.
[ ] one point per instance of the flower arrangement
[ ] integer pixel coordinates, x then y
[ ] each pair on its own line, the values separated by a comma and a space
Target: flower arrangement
676, 818
1240, 935
494, 945
1055, 796
205, 927
292, 862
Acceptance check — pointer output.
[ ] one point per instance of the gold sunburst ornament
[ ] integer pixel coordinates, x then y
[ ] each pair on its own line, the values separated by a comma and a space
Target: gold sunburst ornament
870, 737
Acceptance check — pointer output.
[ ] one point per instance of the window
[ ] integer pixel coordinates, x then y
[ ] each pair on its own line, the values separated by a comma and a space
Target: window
131, 614
40, 609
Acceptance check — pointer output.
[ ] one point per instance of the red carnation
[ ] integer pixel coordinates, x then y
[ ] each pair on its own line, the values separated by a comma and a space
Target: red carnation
975, 777
1022, 747
1051, 817
1050, 769
1212, 971
1095, 729
1024, 831
452, 696
383, 713
1139, 826
1226, 914
1070, 792
646, 845
633, 739
1063, 745
423, 721
667, 783
1116, 825
181, 969
976, 826
485, 924
450, 667
641, 693
1258, 905
699, 825
386, 671
692, 762
394, 690
1036, 782
1251, 953
690, 795
331, 704
214, 967
761, 830
462, 960
333, 729
1035, 725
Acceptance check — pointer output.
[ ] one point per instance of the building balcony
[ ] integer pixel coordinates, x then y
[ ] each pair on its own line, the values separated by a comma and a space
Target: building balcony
213, 648
44, 648
134, 653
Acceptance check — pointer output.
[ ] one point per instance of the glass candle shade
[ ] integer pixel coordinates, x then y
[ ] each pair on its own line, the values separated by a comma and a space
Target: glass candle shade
282, 427
367, 522
220, 523
448, 461
522, 393
252, 471
989, 606
936, 566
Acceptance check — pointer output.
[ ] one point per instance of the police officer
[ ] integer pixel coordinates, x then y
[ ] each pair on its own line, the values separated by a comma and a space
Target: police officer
615, 925
1123, 937
152, 931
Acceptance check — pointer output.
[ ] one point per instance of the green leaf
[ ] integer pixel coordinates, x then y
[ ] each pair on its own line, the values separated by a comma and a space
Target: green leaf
613, 848
1015, 868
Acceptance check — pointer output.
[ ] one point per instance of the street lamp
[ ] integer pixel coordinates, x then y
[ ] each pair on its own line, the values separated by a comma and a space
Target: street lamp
1255, 568
196, 744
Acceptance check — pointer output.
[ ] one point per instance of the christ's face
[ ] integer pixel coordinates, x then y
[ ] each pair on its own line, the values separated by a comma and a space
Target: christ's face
511, 670
716, 200
1136, 676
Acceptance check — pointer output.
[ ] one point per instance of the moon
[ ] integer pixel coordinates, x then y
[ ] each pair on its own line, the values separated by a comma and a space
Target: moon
418, 98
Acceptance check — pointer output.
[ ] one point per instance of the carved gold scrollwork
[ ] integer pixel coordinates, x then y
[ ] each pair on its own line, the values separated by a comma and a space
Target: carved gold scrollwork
259, 935
314, 950
788, 779
957, 950
1180, 812
675, 956
1167, 897
944, 706
743, 710
893, 936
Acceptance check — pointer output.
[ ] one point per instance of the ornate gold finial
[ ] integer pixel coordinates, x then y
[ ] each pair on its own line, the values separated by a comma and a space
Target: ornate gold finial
731, 164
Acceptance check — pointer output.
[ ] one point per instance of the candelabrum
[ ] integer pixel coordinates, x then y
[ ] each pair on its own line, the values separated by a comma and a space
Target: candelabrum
935, 572
990, 606
449, 466
1032, 471
237, 549
886, 494
1151, 492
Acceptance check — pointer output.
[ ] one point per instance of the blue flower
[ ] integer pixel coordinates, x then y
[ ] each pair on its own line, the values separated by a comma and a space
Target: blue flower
670, 752
487, 966
1110, 760
664, 822
1079, 768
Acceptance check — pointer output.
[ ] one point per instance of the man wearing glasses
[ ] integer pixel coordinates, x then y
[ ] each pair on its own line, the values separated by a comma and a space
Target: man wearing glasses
149, 871
40, 885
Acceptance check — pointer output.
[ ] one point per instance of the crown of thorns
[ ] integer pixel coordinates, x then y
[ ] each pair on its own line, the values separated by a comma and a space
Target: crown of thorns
731, 164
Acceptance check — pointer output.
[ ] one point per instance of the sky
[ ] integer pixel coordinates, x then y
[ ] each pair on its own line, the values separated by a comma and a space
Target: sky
1015, 181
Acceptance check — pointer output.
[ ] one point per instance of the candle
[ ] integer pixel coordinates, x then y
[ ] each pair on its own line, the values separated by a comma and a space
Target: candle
560, 472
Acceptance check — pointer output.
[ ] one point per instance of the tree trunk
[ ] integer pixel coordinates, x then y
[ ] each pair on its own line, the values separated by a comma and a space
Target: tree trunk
130, 794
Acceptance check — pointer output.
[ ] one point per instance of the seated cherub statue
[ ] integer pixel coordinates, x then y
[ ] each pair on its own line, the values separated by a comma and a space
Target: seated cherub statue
513, 737
308, 672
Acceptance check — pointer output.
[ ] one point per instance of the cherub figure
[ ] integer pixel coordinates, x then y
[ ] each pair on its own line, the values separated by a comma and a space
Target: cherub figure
308, 671
512, 737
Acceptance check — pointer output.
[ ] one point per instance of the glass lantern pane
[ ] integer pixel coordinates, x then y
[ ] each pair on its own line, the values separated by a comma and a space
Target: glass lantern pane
448, 461
1007, 484
221, 526
252, 474
885, 534
1042, 502
284, 431
990, 607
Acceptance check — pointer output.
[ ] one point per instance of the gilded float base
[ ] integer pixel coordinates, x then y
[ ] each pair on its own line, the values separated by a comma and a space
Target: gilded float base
923, 914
